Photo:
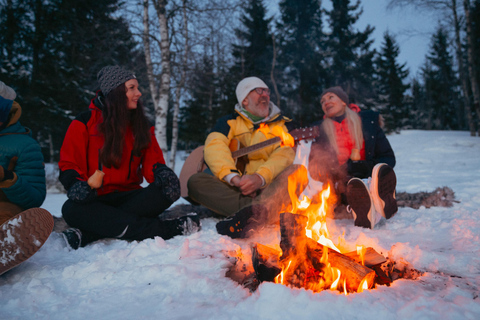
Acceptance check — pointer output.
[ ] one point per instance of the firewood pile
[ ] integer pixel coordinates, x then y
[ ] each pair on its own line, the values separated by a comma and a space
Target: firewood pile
303, 263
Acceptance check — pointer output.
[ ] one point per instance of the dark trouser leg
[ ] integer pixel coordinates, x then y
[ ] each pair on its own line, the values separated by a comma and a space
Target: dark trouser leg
216, 195
131, 215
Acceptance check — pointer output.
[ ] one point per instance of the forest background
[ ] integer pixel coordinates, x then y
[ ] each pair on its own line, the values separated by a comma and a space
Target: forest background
189, 55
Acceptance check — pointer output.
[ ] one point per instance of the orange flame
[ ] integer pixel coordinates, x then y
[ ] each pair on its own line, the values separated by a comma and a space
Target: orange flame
361, 253
285, 138
316, 209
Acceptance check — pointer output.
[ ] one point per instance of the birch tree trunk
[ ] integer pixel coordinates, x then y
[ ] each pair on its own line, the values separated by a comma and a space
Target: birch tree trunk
471, 60
161, 109
178, 91
148, 55
461, 70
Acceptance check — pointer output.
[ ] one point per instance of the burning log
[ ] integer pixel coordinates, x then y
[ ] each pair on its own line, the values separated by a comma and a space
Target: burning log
353, 272
370, 258
307, 254
292, 234
265, 262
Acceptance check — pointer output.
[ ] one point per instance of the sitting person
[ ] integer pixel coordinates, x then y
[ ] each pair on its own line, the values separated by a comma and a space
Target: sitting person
113, 141
363, 152
24, 227
231, 192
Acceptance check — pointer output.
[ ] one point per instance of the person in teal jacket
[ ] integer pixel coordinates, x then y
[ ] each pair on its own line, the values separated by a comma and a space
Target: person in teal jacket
22, 187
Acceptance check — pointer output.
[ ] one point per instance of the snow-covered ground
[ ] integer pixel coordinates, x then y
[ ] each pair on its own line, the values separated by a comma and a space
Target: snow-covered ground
184, 278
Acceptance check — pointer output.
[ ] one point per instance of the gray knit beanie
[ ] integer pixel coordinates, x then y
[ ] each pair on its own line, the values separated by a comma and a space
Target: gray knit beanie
111, 77
339, 92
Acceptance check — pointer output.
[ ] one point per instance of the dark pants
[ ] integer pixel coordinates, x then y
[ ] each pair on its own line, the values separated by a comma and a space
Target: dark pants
130, 215
226, 200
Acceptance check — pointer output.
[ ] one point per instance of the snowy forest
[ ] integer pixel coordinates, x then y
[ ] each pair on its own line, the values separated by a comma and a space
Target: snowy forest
189, 55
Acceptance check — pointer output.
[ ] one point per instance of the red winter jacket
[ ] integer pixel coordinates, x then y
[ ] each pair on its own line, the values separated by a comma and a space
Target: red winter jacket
79, 156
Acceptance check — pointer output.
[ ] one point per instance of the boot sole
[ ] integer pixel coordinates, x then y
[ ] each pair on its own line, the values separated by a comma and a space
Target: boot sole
384, 182
360, 202
22, 236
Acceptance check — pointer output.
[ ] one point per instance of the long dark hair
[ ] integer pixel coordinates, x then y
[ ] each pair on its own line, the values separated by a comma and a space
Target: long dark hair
116, 119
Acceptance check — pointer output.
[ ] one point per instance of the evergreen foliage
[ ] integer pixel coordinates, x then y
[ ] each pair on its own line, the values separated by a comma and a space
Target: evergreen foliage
390, 85
52, 52
253, 56
301, 58
349, 53
441, 84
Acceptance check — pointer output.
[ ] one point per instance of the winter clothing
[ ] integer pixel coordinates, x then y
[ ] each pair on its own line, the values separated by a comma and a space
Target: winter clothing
7, 92
23, 235
22, 164
376, 148
23, 228
111, 77
339, 92
246, 85
120, 208
267, 162
79, 155
167, 180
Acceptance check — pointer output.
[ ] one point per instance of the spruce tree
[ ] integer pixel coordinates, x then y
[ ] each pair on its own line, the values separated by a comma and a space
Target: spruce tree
351, 65
441, 83
253, 56
390, 84
62, 44
301, 58
201, 110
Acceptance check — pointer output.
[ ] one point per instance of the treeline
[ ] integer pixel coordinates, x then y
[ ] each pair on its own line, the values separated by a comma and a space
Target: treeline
189, 56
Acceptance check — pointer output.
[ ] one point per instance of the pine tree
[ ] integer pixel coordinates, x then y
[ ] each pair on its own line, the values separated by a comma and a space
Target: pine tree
441, 84
349, 50
301, 57
62, 46
390, 83
201, 110
253, 56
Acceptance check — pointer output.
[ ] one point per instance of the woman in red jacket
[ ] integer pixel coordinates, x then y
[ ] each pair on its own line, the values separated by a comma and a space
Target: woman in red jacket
106, 153
364, 153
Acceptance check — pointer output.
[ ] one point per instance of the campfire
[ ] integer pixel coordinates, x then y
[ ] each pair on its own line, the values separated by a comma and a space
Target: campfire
306, 257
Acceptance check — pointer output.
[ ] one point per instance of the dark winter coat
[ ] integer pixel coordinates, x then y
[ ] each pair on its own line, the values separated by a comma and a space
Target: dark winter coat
27, 189
79, 155
377, 148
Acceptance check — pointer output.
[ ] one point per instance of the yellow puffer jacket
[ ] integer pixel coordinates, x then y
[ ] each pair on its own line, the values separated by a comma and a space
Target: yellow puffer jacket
267, 162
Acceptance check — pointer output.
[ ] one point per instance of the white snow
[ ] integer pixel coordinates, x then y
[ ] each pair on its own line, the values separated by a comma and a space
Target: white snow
184, 278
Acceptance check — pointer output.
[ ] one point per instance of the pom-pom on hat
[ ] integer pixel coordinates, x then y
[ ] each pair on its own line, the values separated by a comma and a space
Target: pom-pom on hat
246, 85
7, 92
339, 92
111, 77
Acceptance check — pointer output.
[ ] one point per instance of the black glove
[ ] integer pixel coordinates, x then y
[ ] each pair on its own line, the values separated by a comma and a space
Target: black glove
5, 174
81, 192
167, 181
359, 169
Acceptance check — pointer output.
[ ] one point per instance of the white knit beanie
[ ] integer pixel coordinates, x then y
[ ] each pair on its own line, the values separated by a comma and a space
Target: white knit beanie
7, 92
246, 85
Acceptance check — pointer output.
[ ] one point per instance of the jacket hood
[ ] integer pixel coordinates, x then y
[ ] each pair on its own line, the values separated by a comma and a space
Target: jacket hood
13, 114
98, 102
273, 114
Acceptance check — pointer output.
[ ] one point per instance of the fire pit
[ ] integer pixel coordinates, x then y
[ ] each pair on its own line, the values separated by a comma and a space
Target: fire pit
306, 257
